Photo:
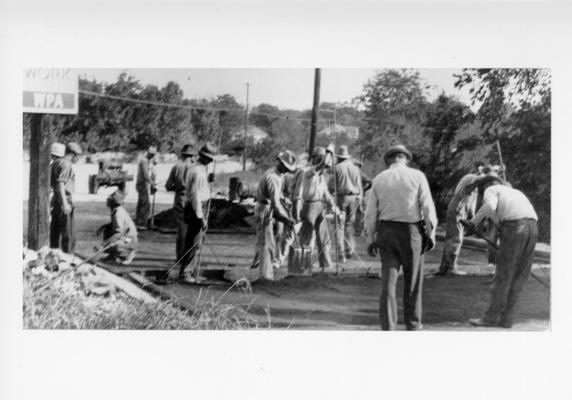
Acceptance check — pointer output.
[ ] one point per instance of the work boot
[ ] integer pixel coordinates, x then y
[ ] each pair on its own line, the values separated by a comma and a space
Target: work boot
482, 322
129, 259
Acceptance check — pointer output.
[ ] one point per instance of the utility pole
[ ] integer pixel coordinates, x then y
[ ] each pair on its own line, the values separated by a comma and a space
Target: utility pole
39, 191
315, 107
245, 127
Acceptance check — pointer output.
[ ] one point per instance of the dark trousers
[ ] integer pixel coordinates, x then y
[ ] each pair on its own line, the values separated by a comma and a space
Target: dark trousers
400, 246
193, 239
514, 262
181, 232
120, 249
345, 234
62, 234
143, 210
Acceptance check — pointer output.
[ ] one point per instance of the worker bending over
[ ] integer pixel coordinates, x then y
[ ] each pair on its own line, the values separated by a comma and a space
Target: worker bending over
512, 211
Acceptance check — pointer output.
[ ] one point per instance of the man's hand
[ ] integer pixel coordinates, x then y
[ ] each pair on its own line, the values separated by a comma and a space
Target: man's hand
372, 249
204, 224
468, 225
153, 189
67, 208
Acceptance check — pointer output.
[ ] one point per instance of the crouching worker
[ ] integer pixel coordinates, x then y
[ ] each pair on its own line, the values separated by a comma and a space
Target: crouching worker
120, 235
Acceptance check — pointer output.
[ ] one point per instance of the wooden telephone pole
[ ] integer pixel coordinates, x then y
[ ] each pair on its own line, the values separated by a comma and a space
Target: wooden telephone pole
39, 190
245, 127
315, 107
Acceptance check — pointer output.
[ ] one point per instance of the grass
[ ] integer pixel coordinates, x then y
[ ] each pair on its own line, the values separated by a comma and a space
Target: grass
65, 305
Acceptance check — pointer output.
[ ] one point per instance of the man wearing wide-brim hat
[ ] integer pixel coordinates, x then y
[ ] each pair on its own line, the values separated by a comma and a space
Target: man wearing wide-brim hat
120, 235
145, 184
198, 194
62, 181
269, 207
312, 192
400, 222
349, 192
176, 182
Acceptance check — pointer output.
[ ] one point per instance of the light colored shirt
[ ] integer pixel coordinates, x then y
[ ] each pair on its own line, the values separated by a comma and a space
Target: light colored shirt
122, 223
197, 188
503, 203
270, 191
399, 194
348, 179
144, 177
62, 171
313, 187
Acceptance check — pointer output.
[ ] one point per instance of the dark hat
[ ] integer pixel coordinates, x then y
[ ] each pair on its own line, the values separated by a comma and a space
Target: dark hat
74, 148
489, 179
343, 152
397, 149
117, 197
288, 159
188, 150
208, 150
318, 155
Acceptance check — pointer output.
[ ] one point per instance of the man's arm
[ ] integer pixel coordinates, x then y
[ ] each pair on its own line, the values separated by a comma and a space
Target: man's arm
144, 171
427, 208
193, 194
275, 192
370, 216
487, 210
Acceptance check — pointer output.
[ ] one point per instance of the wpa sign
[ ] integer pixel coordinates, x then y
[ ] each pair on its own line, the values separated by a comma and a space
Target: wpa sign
50, 90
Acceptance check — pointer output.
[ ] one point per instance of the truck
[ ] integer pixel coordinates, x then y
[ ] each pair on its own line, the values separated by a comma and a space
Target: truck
110, 173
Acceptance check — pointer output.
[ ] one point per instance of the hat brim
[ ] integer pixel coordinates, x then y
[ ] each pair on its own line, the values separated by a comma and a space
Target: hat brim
344, 156
289, 167
394, 152
207, 155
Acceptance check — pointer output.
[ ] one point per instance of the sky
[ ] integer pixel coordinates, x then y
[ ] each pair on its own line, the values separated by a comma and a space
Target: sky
285, 88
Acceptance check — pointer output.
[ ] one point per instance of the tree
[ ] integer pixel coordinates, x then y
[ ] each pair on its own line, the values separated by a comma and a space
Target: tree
394, 110
441, 161
516, 111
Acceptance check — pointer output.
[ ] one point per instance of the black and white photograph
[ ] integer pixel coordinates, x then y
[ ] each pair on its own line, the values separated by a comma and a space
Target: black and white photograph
321, 199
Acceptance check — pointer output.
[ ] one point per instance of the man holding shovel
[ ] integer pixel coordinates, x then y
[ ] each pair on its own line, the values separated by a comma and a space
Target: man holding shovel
195, 212
513, 212
268, 208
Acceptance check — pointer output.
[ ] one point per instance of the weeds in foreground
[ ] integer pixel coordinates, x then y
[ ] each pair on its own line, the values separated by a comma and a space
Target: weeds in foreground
64, 305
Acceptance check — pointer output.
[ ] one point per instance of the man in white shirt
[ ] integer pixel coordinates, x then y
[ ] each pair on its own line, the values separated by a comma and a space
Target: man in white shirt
400, 200
197, 193
511, 209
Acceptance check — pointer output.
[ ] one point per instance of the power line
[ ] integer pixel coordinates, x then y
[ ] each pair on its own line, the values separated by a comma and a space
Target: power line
188, 107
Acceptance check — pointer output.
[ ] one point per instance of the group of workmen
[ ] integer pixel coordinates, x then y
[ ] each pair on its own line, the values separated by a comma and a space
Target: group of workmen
292, 206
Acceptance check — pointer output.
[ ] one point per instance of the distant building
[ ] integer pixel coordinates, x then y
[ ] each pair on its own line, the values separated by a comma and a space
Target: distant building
351, 131
254, 132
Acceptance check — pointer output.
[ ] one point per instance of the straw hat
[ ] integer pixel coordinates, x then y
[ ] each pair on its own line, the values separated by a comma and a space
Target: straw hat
208, 150
343, 152
74, 148
288, 159
58, 149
